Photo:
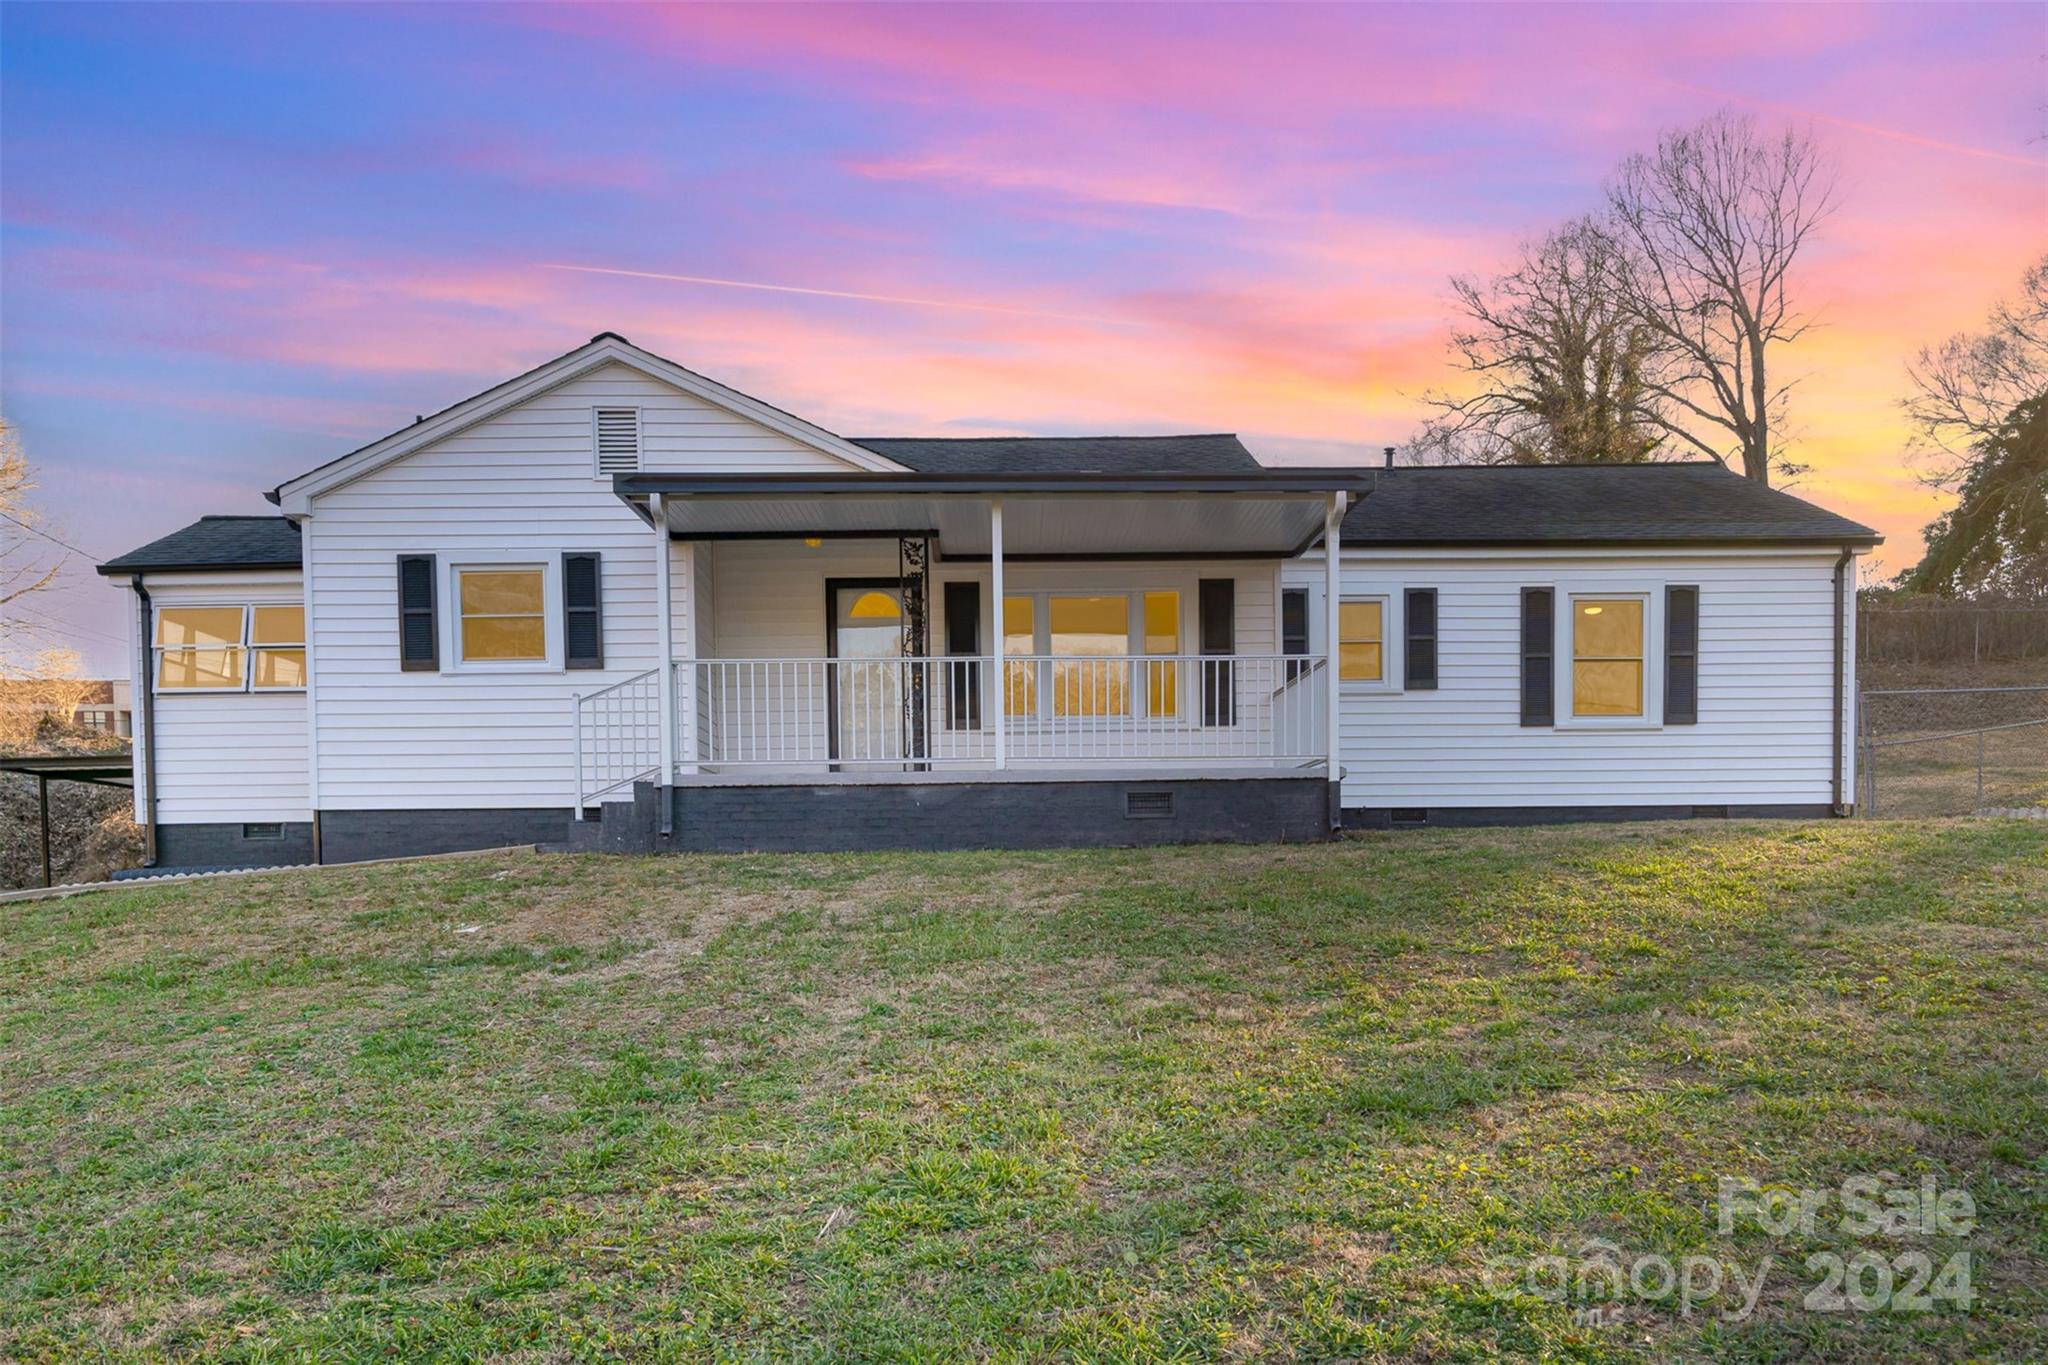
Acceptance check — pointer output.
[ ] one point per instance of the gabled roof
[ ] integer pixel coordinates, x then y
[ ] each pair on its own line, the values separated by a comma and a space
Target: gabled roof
1202, 454
1700, 502
216, 543
606, 348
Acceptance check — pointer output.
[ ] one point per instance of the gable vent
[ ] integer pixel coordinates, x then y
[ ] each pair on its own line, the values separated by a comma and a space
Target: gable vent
618, 440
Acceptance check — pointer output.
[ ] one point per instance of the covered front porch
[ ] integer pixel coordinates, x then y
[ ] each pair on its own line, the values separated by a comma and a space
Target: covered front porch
883, 630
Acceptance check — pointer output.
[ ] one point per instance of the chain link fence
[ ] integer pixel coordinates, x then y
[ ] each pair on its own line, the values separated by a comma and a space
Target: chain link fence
1953, 751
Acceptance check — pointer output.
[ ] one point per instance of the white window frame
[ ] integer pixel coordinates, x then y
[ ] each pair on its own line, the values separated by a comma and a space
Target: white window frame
551, 612
248, 650
1392, 633
1134, 643
1651, 595
251, 647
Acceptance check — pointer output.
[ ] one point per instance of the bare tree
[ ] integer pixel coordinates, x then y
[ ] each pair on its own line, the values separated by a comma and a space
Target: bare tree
39, 699
1563, 370
1969, 385
1981, 407
1713, 221
30, 558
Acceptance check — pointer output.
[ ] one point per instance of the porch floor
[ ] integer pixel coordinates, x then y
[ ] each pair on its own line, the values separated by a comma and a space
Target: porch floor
786, 777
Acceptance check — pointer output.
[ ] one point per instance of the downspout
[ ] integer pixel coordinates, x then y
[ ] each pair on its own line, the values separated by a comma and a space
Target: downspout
148, 681
1841, 672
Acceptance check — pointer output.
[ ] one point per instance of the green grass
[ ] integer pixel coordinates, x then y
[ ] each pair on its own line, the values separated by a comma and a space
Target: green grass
1194, 1104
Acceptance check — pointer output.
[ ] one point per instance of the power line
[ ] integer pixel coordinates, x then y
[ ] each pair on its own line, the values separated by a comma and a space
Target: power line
69, 626
39, 531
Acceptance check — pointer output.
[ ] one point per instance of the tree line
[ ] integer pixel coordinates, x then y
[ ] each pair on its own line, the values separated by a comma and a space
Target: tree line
1655, 327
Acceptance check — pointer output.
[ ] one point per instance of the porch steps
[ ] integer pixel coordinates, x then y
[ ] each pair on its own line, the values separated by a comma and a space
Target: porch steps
588, 835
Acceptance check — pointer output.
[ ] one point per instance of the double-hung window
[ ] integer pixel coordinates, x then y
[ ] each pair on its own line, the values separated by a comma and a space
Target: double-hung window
1607, 656
1362, 640
1088, 638
503, 614
239, 648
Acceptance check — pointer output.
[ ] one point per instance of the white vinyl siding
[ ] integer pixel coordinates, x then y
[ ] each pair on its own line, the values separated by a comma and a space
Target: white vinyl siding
516, 485
224, 757
1766, 684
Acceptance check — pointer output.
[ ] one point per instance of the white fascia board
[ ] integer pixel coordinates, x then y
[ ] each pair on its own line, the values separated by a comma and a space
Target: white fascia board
796, 428
295, 496
1398, 553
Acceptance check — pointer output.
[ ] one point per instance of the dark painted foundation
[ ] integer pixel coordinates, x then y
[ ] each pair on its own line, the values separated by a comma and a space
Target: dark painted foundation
206, 847
963, 815
351, 836
852, 817
1480, 817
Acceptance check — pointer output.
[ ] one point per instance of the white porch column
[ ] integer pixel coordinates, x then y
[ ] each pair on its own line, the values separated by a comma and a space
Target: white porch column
1000, 710
666, 631
1333, 519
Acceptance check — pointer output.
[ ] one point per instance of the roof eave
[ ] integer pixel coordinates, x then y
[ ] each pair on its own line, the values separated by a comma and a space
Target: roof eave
115, 569
1332, 479
1867, 540
294, 496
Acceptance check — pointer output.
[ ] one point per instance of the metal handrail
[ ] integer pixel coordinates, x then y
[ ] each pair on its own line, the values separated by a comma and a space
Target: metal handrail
638, 722
637, 677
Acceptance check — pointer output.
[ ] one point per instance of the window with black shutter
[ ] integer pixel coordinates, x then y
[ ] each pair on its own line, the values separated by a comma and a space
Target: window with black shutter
582, 611
419, 641
1681, 655
1539, 640
1419, 615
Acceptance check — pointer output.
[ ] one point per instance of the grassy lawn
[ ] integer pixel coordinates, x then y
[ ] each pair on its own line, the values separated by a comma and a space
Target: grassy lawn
1192, 1104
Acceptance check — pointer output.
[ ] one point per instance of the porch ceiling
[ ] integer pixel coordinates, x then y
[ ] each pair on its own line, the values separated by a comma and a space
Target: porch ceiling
1276, 512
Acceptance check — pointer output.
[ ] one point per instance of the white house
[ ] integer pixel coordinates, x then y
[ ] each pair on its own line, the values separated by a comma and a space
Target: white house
612, 603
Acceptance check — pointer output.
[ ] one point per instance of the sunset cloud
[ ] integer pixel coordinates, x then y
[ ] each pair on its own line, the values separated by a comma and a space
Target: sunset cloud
240, 241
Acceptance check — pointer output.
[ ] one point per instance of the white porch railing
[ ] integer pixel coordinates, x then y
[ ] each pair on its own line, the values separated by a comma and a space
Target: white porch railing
618, 736
937, 713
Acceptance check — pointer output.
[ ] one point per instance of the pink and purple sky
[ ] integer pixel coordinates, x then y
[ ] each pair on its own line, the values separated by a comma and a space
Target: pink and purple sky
239, 240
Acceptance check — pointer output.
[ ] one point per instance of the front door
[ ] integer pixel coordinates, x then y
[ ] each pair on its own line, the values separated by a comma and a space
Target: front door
865, 679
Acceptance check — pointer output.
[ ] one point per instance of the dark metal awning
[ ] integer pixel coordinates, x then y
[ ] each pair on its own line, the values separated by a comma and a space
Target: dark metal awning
1277, 512
114, 769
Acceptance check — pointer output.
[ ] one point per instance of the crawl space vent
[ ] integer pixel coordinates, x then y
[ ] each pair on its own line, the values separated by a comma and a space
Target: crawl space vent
1148, 805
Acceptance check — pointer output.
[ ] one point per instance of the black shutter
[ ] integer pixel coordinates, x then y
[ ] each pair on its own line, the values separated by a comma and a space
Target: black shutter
1294, 629
1218, 599
1294, 621
582, 611
419, 643
963, 637
1419, 659
1681, 656
1539, 638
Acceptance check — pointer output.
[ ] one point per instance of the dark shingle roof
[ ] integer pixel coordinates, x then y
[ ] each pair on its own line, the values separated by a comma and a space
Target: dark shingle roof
216, 543
1588, 505
1205, 454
